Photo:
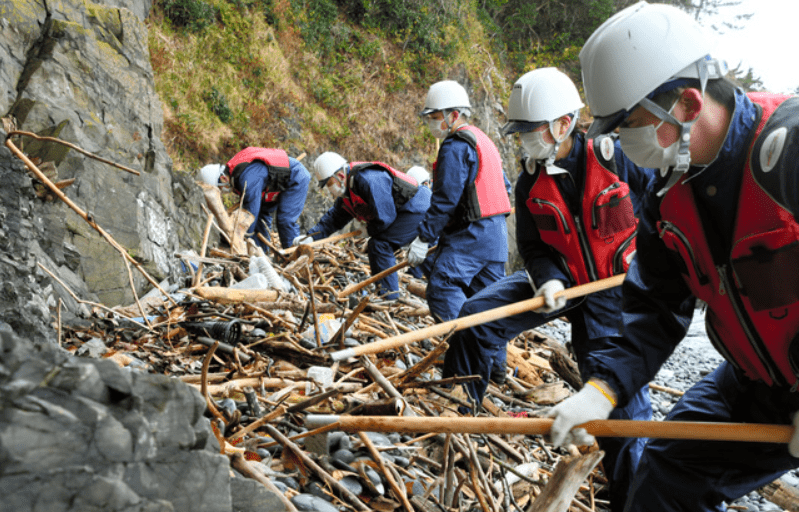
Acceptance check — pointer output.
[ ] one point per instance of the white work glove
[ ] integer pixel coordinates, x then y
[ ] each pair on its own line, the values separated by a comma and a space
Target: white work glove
587, 405
548, 290
417, 252
793, 445
302, 240
356, 224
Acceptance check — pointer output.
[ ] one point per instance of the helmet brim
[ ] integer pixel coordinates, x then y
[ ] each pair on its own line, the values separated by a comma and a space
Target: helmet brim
521, 126
606, 124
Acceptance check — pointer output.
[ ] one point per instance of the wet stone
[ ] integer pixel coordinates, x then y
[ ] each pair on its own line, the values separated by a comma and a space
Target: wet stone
309, 502
344, 456
316, 489
289, 482
379, 439
334, 440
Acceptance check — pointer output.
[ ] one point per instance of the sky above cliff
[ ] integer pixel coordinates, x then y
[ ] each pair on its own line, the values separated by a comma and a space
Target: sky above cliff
765, 42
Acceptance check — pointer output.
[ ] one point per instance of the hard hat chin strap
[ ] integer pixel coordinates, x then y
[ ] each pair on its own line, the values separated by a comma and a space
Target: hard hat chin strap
550, 161
703, 70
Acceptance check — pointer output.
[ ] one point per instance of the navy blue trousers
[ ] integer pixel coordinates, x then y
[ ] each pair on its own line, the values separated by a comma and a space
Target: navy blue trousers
474, 351
682, 475
381, 249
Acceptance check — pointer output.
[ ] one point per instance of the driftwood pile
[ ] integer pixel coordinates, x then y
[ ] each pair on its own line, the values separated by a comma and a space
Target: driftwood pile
265, 360
261, 360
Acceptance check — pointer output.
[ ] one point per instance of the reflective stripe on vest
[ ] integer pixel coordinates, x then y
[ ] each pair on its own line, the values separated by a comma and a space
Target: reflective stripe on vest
403, 188
753, 295
600, 242
279, 169
487, 195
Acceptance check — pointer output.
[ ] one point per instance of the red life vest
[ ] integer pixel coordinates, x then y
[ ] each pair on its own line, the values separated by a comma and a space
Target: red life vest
487, 195
279, 170
753, 295
403, 188
599, 242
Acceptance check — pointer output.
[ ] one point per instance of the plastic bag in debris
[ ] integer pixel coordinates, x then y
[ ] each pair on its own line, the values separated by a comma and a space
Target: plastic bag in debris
328, 326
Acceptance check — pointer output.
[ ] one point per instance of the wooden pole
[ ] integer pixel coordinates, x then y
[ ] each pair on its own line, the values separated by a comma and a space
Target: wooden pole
472, 320
349, 290
334, 238
698, 430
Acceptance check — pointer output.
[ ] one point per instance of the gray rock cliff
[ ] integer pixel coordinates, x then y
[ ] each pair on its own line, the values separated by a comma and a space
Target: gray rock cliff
80, 71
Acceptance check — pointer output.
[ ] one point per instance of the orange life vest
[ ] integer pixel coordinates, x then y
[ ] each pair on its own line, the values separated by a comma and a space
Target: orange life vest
279, 171
487, 195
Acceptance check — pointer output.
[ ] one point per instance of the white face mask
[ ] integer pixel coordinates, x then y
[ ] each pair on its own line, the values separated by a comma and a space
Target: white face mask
435, 127
642, 147
535, 145
335, 188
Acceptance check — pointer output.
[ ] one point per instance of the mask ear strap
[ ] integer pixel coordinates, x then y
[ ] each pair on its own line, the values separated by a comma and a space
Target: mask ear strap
551, 160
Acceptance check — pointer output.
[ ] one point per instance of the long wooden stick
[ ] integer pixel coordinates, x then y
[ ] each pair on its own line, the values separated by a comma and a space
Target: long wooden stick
698, 430
334, 238
73, 146
472, 320
349, 290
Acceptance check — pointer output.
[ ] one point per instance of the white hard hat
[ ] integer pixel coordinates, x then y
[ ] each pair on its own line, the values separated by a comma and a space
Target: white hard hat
210, 173
326, 165
541, 96
634, 53
447, 94
419, 174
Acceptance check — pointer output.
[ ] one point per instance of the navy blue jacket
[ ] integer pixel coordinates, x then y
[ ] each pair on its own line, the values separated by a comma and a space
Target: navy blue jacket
374, 187
289, 203
485, 239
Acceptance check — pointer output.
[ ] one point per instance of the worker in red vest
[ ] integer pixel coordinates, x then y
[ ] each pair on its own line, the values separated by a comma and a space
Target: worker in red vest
272, 183
719, 225
468, 207
389, 202
576, 200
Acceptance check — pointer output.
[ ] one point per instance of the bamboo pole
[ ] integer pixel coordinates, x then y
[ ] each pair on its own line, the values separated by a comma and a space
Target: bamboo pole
224, 295
697, 430
72, 146
334, 238
472, 320
349, 290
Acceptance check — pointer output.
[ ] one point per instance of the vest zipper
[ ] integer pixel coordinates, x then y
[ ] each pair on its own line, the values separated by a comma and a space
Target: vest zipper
613, 186
618, 263
754, 339
668, 226
588, 256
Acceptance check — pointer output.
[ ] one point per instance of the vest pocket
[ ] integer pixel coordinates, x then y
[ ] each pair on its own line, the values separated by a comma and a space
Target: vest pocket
678, 244
765, 266
613, 211
547, 217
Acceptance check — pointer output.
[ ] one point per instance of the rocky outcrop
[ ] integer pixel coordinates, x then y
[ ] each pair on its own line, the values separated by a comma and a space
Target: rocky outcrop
79, 434
80, 71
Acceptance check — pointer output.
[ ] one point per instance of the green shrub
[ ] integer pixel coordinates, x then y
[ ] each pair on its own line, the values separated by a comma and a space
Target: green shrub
193, 15
217, 102
315, 19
